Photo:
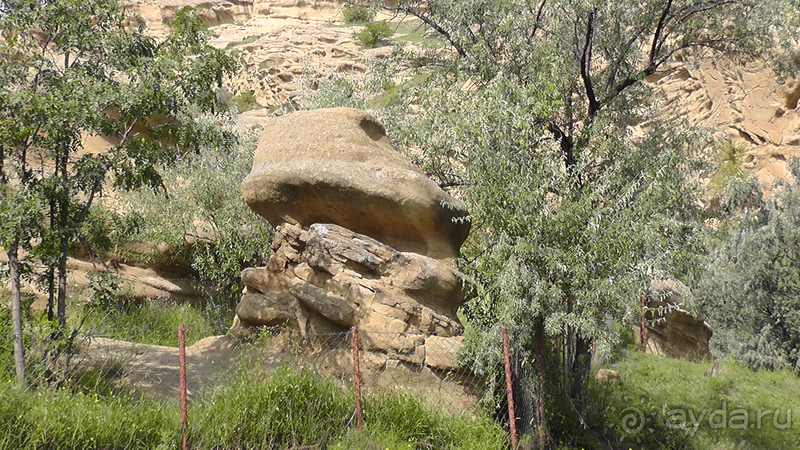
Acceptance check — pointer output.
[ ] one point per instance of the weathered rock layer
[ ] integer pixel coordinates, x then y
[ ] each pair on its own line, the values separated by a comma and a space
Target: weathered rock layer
672, 331
337, 166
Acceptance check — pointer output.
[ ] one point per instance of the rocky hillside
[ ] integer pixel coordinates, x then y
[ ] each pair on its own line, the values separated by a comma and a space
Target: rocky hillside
746, 104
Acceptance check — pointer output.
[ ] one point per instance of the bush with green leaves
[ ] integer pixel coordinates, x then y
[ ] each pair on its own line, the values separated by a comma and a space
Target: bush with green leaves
750, 292
245, 101
373, 34
204, 221
571, 213
353, 14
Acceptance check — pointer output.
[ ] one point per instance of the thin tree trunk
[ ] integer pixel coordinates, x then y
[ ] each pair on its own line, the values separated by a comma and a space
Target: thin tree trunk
61, 306
51, 271
63, 244
542, 432
16, 313
580, 369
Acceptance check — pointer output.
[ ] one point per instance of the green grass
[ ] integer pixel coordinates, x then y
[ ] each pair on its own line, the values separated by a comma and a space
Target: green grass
412, 31
67, 420
288, 410
152, 322
681, 396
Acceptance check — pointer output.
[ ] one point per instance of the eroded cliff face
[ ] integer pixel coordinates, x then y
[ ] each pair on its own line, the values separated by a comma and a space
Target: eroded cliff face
746, 104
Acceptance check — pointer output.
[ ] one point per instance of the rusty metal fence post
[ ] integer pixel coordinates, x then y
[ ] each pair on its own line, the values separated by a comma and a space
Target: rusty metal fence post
182, 386
356, 378
512, 416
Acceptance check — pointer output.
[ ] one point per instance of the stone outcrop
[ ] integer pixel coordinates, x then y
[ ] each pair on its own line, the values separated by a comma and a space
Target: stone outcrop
337, 166
672, 331
327, 278
362, 238
747, 104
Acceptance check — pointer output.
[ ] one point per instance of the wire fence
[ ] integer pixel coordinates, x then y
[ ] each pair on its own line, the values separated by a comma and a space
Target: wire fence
364, 364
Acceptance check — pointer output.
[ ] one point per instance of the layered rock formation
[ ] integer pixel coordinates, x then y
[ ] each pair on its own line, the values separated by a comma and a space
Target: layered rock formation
363, 238
672, 331
747, 104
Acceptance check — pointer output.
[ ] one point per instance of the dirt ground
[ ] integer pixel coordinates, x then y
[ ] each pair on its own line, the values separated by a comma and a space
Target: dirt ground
153, 369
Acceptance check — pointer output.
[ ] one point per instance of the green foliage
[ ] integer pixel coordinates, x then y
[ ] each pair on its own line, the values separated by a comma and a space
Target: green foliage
661, 388
6, 349
751, 288
288, 409
150, 322
245, 101
727, 157
84, 72
373, 34
65, 420
410, 423
206, 224
106, 297
355, 14
246, 40
571, 213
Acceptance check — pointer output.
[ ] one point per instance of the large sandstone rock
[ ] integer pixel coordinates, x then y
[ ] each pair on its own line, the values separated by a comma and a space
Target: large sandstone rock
327, 278
672, 331
337, 166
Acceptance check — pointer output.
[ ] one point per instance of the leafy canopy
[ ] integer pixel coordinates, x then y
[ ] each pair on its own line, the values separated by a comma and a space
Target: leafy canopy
73, 69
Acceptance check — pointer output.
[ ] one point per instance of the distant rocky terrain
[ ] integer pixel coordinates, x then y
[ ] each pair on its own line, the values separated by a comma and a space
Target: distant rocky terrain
747, 104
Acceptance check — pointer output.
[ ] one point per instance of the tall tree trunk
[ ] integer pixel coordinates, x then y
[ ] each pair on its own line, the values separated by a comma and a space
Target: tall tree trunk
16, 312
580, 369
542, 431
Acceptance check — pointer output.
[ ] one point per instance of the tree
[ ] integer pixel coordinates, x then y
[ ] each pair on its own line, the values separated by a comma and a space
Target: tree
572, 211
750, 290
75, 68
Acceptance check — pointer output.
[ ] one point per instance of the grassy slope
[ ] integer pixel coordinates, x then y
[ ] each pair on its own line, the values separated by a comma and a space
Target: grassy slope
683, 396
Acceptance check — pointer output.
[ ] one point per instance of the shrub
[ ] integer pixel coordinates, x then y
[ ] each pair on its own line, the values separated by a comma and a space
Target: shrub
373, 34
206, 224
750, 290
246, 101
357, 14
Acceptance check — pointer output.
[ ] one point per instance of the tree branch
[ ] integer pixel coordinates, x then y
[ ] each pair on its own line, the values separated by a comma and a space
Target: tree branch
586, 61
659, 29
538, 21
414, 11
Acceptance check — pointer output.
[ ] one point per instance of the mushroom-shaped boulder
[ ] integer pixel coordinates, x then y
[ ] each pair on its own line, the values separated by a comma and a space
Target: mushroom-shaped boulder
337, 166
